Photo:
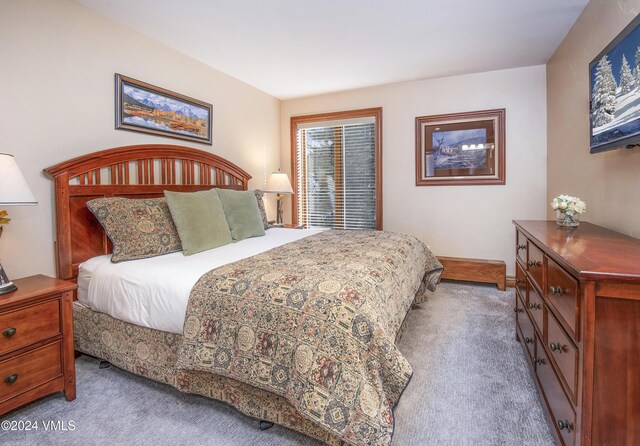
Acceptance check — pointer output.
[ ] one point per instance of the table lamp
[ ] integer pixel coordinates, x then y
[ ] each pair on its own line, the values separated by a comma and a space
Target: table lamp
279, 183
14, 191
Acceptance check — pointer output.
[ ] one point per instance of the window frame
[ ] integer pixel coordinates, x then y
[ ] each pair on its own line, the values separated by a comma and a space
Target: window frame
376, 113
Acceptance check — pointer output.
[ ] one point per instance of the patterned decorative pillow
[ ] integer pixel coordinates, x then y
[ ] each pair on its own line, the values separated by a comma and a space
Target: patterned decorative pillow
263, 211
138, 228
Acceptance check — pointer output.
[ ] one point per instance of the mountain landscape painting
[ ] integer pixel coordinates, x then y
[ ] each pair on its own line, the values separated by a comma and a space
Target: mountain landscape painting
143, 107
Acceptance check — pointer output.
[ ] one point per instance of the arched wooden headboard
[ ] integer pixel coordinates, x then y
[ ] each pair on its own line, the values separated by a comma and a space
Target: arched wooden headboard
140, 171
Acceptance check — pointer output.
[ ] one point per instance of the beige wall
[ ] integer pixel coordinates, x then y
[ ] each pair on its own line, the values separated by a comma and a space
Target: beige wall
608, 182
58, 62
461, 221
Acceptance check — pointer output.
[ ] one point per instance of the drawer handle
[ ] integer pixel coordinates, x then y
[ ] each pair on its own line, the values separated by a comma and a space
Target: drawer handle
534, 306
518, 310
532, 263
528, 340
556, 290
519, 247
564, 424
9, 332
521, 281
557, 347
11, 379
539, 361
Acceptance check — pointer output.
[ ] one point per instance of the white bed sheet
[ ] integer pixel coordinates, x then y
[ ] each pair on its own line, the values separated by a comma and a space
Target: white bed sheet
154, 292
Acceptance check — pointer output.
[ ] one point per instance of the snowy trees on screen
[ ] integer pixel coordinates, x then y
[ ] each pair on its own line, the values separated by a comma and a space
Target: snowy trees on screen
604, 93
626, 78
637, 66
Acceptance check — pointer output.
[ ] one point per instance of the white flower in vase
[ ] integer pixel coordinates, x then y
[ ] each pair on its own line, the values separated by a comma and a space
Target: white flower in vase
568, 209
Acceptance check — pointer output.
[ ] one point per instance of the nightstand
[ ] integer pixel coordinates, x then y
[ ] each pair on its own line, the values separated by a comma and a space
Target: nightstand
36, 341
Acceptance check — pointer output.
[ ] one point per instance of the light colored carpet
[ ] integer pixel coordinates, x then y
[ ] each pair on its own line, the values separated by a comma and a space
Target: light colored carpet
470, 386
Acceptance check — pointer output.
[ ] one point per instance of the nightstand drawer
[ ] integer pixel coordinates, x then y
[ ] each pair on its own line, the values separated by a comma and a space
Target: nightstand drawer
27, 325
29, 370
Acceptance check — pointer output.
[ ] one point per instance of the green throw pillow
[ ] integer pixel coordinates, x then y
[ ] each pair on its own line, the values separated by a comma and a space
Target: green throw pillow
242, 213
200, 220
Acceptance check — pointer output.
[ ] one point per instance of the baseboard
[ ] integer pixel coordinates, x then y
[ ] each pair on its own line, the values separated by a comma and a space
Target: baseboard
511, 281
475, 270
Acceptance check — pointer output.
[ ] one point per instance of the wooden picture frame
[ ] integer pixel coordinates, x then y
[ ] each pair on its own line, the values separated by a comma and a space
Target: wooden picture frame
461, 148
142, 107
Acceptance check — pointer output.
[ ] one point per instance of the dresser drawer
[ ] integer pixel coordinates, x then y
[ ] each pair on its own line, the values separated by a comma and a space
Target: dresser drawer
562, 293
527, 332
521, 282
24, 326
521, 247
564, 354
535, 264
561, 409
536, 309
29, 370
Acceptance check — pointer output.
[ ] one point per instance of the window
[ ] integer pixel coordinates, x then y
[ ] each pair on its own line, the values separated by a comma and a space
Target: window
337, 169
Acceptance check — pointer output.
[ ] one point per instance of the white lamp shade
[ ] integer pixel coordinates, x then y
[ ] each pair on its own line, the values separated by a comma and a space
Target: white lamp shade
14, 190
279, 183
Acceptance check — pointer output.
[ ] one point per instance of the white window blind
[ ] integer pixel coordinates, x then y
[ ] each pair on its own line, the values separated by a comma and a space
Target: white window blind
336, 174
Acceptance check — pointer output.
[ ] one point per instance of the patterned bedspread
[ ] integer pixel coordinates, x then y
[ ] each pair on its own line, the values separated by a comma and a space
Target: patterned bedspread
315, 322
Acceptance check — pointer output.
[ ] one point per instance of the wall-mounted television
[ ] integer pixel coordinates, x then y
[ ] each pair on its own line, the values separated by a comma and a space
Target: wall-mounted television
614, 108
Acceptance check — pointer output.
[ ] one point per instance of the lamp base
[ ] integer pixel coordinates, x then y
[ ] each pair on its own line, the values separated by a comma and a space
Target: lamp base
279, 211
7, 288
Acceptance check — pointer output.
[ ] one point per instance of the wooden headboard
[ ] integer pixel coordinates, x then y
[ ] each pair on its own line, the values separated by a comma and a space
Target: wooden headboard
141, 171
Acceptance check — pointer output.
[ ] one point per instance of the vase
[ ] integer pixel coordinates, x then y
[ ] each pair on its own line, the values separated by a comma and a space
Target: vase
567, 219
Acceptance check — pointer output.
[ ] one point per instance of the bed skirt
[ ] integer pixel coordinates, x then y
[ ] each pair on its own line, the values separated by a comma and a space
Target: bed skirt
153, 354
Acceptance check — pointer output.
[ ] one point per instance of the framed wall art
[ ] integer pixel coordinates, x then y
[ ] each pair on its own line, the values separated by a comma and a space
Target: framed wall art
143, 107
461, 148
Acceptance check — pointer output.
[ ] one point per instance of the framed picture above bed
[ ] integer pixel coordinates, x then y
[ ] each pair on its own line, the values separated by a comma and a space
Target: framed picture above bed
461, 148
145, 108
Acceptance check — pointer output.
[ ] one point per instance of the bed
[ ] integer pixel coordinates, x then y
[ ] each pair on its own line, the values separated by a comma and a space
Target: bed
320, 357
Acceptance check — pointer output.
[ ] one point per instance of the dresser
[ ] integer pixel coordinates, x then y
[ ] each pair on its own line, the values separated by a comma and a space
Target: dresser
36, 341
577, 311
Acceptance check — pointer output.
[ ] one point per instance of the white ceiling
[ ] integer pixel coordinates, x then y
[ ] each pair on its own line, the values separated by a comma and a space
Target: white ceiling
294, 48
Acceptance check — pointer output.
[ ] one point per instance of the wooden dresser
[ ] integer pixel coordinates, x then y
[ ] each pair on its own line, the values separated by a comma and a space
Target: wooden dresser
36, 341
578, 320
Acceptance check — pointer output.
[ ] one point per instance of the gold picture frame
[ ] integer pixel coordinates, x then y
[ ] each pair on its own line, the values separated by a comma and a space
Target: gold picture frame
461, 148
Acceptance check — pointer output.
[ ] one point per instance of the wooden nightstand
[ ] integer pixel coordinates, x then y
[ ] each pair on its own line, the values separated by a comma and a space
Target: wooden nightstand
285, 225
36, 341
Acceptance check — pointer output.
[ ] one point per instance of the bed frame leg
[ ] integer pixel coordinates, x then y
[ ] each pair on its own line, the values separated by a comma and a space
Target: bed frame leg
104, 364
264, 425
